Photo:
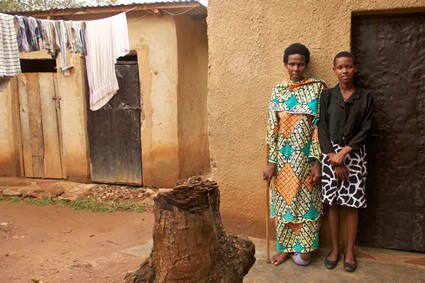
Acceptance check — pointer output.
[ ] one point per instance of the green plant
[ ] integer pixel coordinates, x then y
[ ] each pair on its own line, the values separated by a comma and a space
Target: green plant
88, 205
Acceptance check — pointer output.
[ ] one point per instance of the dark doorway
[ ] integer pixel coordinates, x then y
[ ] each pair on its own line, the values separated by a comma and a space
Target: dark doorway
391, 55
114, 131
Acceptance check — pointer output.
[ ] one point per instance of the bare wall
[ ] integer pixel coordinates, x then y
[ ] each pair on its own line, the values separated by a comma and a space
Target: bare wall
192, 113
246, 44
155, 41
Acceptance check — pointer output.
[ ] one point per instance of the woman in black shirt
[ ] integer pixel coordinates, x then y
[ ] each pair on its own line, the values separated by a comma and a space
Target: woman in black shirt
345, 120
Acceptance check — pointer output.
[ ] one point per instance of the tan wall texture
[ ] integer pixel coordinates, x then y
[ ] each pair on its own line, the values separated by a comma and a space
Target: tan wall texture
169, 72
246, 44
192, 112
154, 39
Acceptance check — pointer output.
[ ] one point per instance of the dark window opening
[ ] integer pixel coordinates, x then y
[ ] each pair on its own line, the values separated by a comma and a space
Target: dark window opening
38, 66
128, 58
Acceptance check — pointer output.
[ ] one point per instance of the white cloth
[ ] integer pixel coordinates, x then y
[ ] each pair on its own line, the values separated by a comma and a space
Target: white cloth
9, 52
106, 40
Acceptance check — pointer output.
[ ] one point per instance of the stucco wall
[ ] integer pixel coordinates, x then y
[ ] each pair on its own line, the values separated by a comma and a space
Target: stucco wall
246, 44
154, 39
192, 96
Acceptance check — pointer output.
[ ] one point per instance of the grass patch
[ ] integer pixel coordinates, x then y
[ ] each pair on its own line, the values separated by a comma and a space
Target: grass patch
88, 205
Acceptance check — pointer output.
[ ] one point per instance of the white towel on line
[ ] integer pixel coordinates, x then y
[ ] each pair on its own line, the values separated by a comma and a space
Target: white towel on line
106, 41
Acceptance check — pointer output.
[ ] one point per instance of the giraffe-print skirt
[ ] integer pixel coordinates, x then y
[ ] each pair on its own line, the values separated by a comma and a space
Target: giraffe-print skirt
350, 192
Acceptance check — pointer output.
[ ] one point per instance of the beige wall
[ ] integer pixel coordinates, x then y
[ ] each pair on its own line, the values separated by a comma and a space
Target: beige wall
192, 113
154, 39
246, 44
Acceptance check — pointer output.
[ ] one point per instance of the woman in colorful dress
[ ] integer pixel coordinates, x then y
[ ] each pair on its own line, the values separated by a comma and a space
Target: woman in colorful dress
345, 120
293, 168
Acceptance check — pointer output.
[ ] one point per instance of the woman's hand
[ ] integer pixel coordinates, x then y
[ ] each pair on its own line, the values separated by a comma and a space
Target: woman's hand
269, 172
315, 174
339, 157
341, 172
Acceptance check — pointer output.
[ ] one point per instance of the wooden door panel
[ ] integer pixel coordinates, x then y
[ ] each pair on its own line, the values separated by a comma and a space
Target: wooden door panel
39, 126
35, 124
391, 55
25, 127
52, 156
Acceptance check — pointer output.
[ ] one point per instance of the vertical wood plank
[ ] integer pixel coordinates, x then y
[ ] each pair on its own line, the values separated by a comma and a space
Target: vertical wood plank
25, 127
59, 122
35, 123
52, 152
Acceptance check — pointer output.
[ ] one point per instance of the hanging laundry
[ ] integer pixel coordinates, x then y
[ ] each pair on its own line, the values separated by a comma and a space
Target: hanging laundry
75, 43
83, 38
63, 41
50, 39
106, 40
34, 34
9, 51
21, 33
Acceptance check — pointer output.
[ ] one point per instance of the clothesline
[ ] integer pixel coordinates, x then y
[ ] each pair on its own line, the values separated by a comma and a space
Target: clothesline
101, 41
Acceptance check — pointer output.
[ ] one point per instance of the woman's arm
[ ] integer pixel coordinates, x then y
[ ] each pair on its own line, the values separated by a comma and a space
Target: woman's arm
272, 134
324, 137
360, 138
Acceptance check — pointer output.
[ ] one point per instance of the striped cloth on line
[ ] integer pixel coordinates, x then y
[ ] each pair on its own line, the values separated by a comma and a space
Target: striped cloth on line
9, 53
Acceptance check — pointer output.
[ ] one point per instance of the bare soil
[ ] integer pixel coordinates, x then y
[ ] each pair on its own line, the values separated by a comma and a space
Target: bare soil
59, 244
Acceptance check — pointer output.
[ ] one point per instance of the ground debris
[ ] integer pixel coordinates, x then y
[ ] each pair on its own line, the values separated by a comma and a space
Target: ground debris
103, 192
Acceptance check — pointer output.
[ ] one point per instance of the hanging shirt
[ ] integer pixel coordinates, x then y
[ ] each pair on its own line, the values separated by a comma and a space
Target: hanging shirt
34, 34
21, 34
73, 30
63, 41
50, 39
106, 40
9, 52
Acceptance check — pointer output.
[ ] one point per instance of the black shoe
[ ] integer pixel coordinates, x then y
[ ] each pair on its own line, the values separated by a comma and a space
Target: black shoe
350, 267
331, 264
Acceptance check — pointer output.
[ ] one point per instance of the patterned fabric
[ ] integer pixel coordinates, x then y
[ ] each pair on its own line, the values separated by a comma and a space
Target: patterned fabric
293, 145
9, 52
348, 193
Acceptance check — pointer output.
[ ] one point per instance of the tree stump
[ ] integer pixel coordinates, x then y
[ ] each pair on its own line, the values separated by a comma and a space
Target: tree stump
189, 241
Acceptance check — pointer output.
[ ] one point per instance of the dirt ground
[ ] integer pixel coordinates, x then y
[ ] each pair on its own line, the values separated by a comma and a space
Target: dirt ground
80, 246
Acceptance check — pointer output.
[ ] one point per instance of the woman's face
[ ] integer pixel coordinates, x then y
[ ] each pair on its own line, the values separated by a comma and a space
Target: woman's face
296, 66
345, 69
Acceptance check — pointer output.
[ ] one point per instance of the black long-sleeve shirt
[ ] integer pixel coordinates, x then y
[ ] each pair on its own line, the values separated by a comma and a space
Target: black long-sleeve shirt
344, 122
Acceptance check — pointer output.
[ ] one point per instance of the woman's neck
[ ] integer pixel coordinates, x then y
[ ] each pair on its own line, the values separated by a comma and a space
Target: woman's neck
346, 90
296, 81
346, 86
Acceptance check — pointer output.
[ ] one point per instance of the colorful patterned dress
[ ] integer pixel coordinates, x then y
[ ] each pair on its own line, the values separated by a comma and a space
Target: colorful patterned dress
294, 147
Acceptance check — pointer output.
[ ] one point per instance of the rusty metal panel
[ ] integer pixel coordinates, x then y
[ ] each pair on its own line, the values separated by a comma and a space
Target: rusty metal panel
114, 132
391, 55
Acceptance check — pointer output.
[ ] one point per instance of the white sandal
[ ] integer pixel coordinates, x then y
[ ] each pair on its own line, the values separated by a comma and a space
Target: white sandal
298, 260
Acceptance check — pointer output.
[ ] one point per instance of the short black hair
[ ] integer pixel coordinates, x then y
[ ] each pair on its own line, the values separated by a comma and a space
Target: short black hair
296, 48
346, 54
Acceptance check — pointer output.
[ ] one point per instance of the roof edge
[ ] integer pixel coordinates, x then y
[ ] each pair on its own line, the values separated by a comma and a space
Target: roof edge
148, 7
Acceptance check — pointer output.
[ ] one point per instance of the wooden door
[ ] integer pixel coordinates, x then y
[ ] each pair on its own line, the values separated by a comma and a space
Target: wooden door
391, 55
114, 132
40, 125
